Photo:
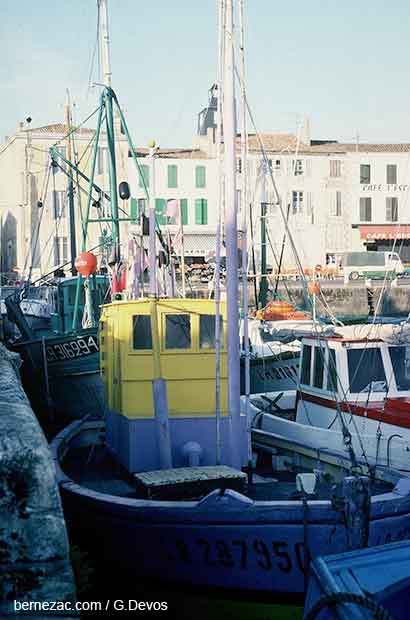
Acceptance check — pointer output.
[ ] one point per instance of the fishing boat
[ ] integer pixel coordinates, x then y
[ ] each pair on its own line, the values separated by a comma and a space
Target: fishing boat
354, 390
161, 482
353, 585
161, 479
61, 365
37, 306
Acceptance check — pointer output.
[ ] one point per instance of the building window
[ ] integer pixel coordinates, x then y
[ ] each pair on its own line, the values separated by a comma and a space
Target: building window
277, 165
335, 167
177, 331
201, 211
297, 202
60, 250
143, 175
102, 160
59, 200
137, 208
61, 163
200, 176
391, 174
365, 173
239, 165
338, 204
172, 176
207, 331
297, 166
365, 209
142, 337
160, 207
392, 209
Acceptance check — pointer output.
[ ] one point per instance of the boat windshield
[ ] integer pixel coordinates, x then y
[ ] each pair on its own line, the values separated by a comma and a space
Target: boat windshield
400, 359
366, 370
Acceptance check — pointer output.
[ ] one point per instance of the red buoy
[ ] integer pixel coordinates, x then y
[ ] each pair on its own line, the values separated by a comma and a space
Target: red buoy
86, 263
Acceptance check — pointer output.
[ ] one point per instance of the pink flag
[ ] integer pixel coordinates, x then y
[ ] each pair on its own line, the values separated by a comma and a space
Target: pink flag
177, 242
173, 210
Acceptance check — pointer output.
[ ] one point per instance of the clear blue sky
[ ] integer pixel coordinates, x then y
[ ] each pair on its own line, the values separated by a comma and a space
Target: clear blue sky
344, 64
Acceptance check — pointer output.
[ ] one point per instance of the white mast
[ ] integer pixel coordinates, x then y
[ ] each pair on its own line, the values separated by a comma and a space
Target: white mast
244, 204
231, 234
105, 42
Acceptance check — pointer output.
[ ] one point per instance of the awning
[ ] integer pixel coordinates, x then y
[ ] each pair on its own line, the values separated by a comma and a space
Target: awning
381, 232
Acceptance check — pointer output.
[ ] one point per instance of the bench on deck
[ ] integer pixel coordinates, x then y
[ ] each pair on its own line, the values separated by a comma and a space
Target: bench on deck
188, 483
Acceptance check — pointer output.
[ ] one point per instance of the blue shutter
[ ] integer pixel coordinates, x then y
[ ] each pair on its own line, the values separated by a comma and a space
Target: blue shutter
184, 210
160, 211
200, 176
172, 176
198, 211
134, 209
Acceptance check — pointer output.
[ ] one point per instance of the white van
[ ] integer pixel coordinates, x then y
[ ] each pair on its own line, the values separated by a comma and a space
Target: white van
368, 264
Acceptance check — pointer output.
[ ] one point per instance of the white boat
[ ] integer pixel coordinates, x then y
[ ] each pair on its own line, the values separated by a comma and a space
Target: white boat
354, 391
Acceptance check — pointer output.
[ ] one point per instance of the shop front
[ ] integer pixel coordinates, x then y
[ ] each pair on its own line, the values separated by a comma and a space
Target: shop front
387, 238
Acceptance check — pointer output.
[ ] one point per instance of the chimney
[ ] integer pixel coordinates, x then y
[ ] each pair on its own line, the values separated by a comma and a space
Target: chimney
305, 131
20, 126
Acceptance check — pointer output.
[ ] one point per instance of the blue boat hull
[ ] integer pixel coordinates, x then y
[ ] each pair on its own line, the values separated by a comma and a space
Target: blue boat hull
358, 573
227, 540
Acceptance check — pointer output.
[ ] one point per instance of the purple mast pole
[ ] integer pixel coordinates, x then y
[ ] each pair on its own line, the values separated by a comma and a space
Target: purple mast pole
231, 233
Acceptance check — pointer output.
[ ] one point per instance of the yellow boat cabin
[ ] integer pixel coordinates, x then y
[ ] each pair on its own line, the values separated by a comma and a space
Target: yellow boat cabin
158, 366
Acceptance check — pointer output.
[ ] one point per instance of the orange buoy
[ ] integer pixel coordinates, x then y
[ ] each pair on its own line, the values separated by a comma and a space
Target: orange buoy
86, 263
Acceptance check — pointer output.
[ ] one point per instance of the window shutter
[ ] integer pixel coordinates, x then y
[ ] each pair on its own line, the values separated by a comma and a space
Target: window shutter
160, 211
144, 176
134, 209
200, 176
184, 210
204, 211
172, 176
198, 211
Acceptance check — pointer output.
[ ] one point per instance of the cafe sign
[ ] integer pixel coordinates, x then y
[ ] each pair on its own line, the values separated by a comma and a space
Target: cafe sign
385, 187
389, 233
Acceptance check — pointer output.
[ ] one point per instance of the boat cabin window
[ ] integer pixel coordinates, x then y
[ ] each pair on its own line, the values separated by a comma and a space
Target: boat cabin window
178, 331
306, 359
400, 359
366, 371
142, 337
207, 331
331, 371
319, 367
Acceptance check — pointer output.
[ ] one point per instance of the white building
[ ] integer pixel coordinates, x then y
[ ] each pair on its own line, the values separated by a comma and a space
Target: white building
35, 232
337, 197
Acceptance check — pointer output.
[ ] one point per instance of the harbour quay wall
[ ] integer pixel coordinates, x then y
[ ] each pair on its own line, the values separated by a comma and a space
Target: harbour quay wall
341, 300
34, 550
356, 300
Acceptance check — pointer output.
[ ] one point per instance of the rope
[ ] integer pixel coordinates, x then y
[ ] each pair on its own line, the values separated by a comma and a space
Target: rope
362, 600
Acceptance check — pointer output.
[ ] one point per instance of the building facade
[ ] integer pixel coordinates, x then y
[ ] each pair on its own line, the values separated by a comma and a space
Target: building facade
35, 228
335, 197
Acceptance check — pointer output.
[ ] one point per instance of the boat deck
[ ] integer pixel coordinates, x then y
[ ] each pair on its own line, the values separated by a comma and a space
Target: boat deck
94, 467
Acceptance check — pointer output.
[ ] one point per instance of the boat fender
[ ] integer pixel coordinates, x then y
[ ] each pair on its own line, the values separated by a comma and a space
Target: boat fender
192, 452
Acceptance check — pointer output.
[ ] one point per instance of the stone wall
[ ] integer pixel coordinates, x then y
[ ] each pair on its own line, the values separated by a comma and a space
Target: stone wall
34, 551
